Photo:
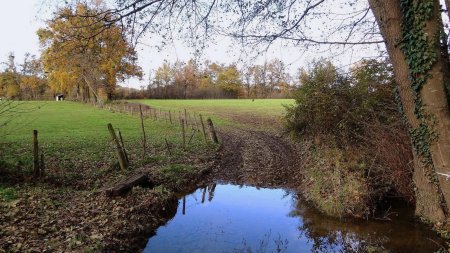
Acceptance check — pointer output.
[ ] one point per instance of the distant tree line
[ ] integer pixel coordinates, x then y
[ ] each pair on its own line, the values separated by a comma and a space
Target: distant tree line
216, 80
23, 81
82, 64
87, 63
35, 80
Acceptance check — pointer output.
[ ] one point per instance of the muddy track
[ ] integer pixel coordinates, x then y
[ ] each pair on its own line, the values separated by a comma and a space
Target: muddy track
256, 158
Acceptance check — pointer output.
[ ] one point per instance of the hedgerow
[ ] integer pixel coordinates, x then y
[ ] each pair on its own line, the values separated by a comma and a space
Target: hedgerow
355, 148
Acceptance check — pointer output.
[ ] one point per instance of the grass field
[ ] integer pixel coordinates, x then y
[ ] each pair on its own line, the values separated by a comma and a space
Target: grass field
64, 121
264, 107
225, 111
75, 134
72, 133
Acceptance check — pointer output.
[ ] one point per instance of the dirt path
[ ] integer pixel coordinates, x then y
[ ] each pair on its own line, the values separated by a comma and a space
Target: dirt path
256, 158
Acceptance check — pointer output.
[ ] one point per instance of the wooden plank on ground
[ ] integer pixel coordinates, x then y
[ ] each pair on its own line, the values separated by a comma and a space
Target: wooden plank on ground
126, 185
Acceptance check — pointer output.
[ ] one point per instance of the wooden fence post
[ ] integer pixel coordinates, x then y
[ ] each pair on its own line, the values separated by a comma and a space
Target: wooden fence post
144, 141
35, 153
183, 132
168, 146
119, 151
203, 128
123, 145
212, 132
192, 136
185, 118
170, 116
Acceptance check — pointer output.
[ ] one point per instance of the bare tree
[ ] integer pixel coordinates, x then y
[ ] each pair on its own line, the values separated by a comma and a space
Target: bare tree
247, 74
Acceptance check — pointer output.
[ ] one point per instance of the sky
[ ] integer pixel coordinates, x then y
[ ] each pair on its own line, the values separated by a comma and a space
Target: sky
19, 21
18, 27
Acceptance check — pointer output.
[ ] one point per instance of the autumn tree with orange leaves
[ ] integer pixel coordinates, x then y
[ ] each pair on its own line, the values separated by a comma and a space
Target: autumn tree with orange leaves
88, 62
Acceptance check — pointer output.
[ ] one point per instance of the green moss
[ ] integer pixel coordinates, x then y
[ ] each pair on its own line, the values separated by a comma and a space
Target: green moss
176, 170
7, 194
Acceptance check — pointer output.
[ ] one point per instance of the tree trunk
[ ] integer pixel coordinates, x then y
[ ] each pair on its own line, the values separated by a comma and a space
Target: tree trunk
78, 91
445, 54
109, 95
431, 197
436, 105
447, 5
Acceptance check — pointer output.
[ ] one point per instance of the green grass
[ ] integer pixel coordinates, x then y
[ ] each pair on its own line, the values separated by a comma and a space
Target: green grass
75, 134
224, 111
65, 122
7, 194
176, 172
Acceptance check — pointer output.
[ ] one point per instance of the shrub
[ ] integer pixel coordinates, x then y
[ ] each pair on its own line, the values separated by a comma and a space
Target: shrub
335, 182
361, 152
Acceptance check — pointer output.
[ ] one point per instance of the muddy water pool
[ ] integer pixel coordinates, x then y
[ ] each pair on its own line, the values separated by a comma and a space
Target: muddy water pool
231, 218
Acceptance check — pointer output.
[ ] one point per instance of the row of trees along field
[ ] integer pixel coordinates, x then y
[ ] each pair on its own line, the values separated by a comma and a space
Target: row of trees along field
177, 80
88, 62
25, 81
91, 71
215, 80
74, 62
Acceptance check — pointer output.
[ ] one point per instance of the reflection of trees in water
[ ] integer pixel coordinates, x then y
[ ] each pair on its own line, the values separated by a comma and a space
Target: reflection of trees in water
326, 234
335, 235
339, 241
265, 245
332, 235
203, 194
211, 189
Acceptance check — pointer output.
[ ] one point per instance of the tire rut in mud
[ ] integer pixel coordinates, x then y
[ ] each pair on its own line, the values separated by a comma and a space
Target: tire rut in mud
256, 158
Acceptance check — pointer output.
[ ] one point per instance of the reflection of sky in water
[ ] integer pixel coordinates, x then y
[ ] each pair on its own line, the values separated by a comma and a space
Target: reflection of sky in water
263, 220
236, 218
